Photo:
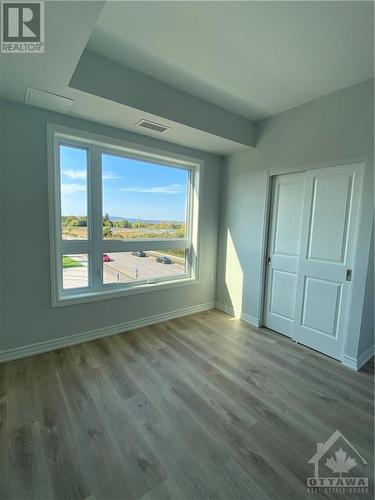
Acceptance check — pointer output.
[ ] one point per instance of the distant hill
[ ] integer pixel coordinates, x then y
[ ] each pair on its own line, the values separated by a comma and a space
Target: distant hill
115, 218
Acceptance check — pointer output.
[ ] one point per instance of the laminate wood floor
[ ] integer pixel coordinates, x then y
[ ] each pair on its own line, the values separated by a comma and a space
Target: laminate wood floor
202, 407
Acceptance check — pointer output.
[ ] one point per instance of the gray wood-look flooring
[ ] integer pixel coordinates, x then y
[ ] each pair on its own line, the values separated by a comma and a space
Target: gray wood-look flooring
202, 407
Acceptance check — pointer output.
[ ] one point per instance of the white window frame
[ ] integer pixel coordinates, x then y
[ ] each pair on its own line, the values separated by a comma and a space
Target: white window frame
95, 245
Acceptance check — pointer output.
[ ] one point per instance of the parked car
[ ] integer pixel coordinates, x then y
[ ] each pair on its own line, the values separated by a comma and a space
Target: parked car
139, 253
164, 260
106, 258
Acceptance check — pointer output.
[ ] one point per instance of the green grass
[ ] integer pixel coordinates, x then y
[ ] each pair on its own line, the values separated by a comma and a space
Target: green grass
69, 262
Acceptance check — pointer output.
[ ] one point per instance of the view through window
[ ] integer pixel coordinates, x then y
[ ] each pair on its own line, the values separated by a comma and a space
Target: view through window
122, 219
73, 192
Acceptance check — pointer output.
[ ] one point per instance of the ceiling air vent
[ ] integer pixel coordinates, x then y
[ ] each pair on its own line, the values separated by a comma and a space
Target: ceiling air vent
156, 127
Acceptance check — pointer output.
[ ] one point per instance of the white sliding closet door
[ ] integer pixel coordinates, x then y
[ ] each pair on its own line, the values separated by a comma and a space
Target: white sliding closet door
328, 243
283, 251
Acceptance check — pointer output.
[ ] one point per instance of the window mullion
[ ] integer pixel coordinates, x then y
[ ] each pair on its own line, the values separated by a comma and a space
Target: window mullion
189, 203
75, 246
95, 217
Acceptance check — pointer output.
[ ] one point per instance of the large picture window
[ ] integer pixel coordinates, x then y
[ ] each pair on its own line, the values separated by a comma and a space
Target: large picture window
123, 219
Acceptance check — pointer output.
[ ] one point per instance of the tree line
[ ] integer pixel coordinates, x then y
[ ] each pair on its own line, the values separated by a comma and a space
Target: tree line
108, 224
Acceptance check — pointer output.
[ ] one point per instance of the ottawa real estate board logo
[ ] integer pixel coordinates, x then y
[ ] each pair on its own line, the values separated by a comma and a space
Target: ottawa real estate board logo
338, 467
22, 27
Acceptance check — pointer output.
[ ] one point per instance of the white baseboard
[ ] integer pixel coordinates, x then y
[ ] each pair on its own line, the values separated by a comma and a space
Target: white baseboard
226, 309
349, 362
357, 363
251, 320
366, 356
50, 345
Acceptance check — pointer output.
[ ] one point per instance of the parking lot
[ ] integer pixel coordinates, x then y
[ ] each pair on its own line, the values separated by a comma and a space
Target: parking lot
123, 268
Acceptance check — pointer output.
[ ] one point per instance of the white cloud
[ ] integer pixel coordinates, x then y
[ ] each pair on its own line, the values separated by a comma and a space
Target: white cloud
72, 188
81, 174
170, 189
109, 176
74, 174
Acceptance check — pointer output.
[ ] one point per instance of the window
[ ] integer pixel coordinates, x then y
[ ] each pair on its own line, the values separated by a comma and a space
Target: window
123, 219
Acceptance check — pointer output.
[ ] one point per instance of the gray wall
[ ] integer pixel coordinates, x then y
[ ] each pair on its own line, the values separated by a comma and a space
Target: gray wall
25, 267
336, 127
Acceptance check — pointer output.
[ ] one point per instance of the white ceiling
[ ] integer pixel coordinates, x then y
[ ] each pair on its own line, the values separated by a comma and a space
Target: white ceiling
253, 58
68, 27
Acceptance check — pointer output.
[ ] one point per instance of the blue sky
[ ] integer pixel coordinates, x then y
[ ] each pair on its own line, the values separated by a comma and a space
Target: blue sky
131, 188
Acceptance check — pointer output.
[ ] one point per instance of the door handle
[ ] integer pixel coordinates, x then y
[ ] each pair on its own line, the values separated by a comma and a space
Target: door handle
348, 275
268, 260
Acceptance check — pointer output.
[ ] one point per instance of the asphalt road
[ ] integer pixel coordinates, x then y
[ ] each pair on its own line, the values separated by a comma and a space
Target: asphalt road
126, 267
123, 268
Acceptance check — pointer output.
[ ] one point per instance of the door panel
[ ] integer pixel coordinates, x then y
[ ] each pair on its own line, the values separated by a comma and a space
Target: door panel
331, 202
328, 241
284, 247
288, 208
282, 303
315, 292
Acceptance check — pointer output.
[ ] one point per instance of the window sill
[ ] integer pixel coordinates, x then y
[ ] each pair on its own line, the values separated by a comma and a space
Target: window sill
81, 298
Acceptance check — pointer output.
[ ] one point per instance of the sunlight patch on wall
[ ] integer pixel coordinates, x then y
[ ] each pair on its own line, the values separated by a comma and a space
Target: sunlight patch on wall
234, 276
